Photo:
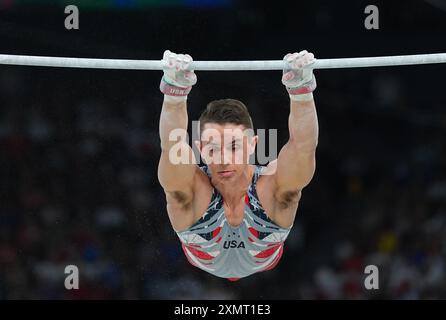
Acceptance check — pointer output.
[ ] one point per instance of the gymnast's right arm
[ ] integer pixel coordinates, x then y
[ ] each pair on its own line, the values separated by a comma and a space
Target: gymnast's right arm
177, 165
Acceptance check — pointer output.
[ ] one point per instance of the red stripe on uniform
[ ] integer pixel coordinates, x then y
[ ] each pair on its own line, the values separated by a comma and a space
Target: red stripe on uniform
200, 254
254, 232
216, 232
268, 252
276, 260
187, 255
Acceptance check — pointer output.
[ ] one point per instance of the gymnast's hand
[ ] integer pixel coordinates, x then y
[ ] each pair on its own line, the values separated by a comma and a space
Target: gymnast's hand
296, 79
177, 80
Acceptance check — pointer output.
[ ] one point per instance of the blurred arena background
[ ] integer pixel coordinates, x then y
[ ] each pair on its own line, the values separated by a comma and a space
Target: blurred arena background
79, 149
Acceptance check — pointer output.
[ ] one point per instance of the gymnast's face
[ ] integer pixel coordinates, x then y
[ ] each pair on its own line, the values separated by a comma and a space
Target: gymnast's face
226, 148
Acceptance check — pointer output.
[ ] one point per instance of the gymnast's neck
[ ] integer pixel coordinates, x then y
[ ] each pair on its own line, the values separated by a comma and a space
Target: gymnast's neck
234, 190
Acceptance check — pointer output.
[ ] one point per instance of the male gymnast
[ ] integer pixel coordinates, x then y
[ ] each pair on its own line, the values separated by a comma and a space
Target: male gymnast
232, 217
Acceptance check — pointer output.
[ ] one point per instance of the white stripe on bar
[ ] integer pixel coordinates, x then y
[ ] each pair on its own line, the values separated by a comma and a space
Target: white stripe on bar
220, 65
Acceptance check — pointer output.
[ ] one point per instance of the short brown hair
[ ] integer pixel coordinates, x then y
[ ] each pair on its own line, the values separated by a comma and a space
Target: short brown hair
226, 111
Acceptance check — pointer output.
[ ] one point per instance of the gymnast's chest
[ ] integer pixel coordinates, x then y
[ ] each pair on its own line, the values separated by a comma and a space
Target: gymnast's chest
233, 237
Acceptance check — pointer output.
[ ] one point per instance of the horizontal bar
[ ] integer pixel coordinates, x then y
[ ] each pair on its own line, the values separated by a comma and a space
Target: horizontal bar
219, 65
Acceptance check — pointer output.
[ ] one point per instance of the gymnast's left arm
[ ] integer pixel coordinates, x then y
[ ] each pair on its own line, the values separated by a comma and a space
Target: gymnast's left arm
296, 162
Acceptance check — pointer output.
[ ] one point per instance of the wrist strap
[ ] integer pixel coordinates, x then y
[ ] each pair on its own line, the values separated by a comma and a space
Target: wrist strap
171, 90
306, 88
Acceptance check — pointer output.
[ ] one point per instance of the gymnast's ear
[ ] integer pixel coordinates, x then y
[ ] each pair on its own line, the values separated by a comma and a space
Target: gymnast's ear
198, 145
252, 144
252, 139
